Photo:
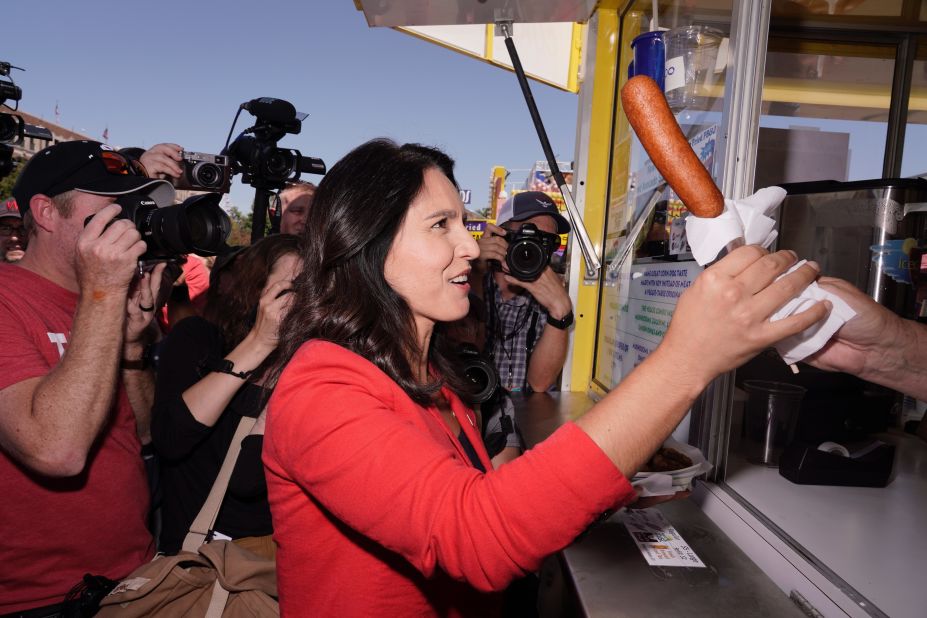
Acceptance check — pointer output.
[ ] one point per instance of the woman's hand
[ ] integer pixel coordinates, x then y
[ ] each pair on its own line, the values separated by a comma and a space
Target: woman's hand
722, 321
275, 300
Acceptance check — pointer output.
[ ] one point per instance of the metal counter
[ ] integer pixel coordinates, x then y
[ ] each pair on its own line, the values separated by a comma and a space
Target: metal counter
610, 576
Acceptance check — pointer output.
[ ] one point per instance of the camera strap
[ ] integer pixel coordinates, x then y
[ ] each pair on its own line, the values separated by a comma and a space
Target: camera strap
532, 331
494, 328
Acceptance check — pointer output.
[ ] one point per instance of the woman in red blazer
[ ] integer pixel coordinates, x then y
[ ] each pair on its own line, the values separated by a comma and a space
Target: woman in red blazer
383, 500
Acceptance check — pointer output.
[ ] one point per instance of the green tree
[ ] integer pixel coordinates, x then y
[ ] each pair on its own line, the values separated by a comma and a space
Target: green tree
241, 227
7, 182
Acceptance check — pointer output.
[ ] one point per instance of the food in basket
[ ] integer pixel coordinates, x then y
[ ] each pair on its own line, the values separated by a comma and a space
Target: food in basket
666, 460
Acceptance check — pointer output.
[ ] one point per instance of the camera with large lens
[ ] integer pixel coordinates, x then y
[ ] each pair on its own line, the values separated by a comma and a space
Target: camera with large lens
480, 371
529, 251
205, 172
197, 225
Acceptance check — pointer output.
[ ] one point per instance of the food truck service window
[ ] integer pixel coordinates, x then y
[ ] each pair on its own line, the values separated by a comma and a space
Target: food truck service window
648, 264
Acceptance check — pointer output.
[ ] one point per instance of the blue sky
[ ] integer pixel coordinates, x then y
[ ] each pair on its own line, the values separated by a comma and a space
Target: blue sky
177, 71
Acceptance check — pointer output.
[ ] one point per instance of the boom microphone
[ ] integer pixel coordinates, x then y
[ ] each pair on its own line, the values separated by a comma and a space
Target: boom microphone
272, 110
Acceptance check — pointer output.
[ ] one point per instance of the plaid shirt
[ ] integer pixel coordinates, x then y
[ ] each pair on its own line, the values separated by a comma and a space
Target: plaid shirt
508, 326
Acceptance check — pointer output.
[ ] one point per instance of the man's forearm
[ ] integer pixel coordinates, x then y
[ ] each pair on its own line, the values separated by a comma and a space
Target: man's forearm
902, 363
139, 384
547, 358
72, 403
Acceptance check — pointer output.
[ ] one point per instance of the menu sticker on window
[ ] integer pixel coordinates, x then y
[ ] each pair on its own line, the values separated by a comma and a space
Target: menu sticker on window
658, 540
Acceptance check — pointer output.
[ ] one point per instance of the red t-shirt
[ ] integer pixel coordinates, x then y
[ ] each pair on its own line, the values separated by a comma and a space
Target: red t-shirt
197, 281
377, 510
54, 530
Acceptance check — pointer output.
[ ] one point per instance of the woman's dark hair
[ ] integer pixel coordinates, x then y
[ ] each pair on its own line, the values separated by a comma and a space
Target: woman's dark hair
233, 297
342, 295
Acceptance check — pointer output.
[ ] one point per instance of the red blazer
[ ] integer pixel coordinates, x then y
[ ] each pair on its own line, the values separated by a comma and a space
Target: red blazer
377, 510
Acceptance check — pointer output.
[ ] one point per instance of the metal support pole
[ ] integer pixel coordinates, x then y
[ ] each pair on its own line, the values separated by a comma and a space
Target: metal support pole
579, 229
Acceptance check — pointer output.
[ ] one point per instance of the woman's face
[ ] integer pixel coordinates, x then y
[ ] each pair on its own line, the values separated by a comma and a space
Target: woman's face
429, 260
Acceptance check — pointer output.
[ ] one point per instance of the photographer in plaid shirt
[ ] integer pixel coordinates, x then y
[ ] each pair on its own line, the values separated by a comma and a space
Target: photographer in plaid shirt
527, 326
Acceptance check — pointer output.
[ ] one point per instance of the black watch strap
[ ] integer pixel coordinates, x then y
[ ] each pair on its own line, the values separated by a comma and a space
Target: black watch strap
222, 365
562, 324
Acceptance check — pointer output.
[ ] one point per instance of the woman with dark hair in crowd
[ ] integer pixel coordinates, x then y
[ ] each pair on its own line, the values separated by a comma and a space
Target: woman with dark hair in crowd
211, 374
383, 499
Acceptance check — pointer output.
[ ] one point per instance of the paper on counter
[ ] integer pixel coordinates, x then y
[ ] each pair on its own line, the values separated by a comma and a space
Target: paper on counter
754, 216
658, 540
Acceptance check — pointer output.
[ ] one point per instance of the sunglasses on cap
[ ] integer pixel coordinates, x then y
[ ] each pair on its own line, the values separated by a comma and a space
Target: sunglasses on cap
114, 163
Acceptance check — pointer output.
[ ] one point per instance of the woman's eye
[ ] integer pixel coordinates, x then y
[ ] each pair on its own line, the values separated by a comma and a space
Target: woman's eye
442, 223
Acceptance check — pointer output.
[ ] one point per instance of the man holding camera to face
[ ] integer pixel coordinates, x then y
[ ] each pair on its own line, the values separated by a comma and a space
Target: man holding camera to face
75, 395
528, 310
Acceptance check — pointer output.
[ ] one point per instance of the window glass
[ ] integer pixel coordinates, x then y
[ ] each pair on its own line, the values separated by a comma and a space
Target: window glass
836, 8
914, 161
646, 267
825, 111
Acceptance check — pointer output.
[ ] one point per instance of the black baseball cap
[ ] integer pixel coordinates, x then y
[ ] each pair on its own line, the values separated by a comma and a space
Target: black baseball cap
529, 204
90, 167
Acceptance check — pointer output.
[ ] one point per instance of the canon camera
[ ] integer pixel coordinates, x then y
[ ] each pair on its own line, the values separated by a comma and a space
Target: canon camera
529, 252
197, 225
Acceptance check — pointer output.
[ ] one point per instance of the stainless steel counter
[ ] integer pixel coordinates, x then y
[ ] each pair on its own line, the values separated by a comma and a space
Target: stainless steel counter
611, 577
870, 537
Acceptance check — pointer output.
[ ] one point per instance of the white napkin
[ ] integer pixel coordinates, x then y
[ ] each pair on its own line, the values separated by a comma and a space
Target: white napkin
812, 339
746, 219
750, 219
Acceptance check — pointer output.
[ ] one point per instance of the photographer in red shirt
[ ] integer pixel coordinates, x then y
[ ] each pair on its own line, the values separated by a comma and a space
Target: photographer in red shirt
75, 398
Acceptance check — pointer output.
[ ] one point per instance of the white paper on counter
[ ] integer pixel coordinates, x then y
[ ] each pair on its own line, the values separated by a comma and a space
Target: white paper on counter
658, 540
754, 216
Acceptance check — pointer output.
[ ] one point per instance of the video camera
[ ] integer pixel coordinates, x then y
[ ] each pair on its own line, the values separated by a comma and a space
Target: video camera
255, 154
13, 129
529, 252
264, 165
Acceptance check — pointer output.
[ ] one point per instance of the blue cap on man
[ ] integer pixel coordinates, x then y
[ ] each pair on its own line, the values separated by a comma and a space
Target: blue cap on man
527, 204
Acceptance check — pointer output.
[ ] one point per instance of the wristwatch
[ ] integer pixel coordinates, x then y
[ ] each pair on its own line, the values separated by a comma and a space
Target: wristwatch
562, 324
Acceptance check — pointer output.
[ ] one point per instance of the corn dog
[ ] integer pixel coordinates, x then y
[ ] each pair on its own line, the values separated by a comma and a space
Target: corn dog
650, 117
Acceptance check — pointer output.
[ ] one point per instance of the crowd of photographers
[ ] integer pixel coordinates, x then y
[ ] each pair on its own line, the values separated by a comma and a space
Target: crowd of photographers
135, 343
130, 359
